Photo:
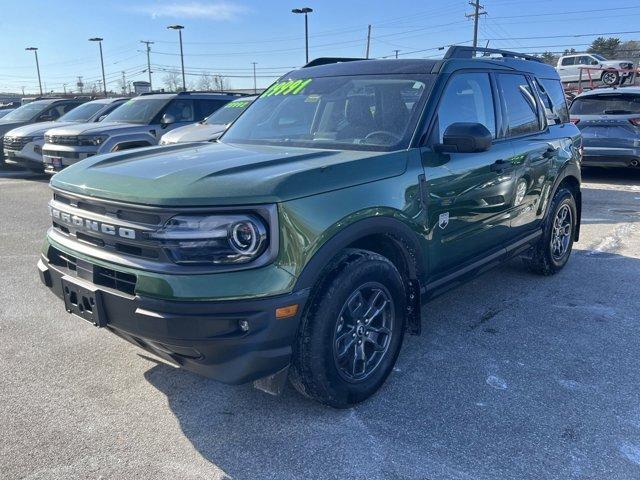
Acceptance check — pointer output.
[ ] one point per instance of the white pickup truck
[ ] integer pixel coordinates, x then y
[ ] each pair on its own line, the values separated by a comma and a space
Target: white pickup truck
569, 67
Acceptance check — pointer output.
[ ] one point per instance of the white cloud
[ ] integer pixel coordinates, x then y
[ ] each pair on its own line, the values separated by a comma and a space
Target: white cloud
208, 10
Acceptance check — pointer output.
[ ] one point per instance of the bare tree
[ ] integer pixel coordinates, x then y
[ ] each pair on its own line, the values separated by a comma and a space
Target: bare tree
172, 82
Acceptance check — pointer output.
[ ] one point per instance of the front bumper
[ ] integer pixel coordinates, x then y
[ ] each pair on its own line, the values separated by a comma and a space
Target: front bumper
610, 157
205, 337
56, 157
29, 156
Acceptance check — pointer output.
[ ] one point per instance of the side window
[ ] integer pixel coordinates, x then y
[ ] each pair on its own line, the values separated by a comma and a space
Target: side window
204, 108
584, 60
52, 113
566, 61
182, 110
467, 98
520, 105
555, 92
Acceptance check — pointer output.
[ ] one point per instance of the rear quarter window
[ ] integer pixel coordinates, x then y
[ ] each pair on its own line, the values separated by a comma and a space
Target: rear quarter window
610, 104
555, 99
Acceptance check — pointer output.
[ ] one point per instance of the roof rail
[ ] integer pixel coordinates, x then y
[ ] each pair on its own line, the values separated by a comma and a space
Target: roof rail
460, 51
328, 60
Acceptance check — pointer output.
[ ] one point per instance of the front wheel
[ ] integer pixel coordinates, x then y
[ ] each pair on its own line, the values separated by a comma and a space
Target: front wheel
350, 336
551, 252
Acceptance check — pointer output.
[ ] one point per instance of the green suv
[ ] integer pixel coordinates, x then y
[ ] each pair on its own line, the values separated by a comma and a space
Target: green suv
305, 242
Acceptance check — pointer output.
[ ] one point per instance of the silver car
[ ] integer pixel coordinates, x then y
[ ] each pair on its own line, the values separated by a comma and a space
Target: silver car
211, 127
23, 145
609, 120
139, 122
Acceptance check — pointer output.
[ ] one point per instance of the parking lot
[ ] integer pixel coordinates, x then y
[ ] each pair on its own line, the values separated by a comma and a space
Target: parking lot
515, 377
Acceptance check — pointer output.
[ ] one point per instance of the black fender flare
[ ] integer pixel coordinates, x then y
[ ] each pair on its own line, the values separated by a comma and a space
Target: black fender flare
399, 232
571, 170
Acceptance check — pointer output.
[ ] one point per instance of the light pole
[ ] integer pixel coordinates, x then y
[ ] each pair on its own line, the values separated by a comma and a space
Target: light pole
35, 50
179, 28
104, 82
305, 10
255, 87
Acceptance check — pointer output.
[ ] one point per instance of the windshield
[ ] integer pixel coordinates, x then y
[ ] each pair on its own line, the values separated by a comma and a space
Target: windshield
614, 104
82, 113
25, 112
364, 112
228, 113
137, 110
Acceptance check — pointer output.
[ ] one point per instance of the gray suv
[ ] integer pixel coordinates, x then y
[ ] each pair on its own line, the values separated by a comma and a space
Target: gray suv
44, 110
139, 122
609, 120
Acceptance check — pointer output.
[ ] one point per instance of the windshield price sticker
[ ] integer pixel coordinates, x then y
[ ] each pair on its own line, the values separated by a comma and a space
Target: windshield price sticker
288, 87
236, 104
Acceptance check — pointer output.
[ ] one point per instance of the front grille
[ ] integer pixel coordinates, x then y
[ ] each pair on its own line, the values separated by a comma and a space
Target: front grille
62, 139
104, 277
15, 143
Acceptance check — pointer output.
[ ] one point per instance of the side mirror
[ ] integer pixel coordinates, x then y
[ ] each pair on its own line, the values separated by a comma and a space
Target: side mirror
594, 62
46, 118
463, 137
102, 117
167, 119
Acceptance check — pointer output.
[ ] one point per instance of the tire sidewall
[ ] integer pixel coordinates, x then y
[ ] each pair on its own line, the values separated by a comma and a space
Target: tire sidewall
341, 392
563, 197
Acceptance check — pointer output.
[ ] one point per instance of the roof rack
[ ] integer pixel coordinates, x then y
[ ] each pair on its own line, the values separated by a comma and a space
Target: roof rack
328, 60
460, 51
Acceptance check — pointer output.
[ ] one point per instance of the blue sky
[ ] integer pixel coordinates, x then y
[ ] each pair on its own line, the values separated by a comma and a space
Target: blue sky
226, 36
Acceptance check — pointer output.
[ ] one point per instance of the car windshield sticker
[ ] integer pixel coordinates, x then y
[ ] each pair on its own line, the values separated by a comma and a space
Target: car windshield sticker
236, 104
287, 87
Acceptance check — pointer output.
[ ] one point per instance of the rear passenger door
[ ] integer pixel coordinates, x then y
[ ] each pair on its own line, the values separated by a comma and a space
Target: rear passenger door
468, 193
534, 149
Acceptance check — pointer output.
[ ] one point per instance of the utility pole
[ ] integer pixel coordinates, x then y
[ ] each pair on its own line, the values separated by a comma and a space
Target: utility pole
124, 83
368, 42
148, 44
396, 53
80, 84
477, 11
179, 28
64, 89
255, 85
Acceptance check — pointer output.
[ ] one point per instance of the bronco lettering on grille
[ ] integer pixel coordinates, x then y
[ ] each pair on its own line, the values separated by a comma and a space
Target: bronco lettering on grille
92, 225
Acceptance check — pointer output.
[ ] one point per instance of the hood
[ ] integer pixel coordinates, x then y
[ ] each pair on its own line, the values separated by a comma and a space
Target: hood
100, 128
615, 63
198, 132
36, 129
6, 126
215, 174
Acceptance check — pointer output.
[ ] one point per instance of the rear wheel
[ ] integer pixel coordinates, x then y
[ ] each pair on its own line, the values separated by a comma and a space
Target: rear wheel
610, 78
551, 252
351, 334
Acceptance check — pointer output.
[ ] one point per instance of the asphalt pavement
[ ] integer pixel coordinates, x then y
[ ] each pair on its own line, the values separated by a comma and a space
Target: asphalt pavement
514, 377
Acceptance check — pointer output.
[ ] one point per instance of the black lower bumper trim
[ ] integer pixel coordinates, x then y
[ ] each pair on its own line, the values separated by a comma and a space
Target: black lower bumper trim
230, 341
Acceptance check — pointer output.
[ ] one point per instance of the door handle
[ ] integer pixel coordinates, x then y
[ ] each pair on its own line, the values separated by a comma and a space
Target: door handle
499, 166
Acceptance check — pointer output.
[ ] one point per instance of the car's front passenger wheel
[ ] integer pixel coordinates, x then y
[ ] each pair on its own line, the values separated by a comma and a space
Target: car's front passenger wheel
351, 334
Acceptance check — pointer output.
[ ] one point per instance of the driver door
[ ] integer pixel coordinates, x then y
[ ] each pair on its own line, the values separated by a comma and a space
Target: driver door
468, 194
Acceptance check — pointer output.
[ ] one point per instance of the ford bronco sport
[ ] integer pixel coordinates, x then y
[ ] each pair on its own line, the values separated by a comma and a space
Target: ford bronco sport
305, 242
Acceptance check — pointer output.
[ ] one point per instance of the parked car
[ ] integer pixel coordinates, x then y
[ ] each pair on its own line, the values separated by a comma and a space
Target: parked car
5, 111
36, 111
23, 145
569, 67
211, 127
139, 122
609, 120
305, 242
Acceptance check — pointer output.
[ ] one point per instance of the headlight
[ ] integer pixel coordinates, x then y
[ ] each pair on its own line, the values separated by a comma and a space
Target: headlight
91, 139
213, 239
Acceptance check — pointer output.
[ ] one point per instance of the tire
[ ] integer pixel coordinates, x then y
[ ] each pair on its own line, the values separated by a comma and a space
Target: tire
326, 362
610, 78
551, 252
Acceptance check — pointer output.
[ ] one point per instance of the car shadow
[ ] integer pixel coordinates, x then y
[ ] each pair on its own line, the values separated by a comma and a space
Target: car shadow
506, 364
14, 171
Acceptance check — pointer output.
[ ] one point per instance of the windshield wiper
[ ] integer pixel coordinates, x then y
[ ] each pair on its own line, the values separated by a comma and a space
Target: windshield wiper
617, 112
